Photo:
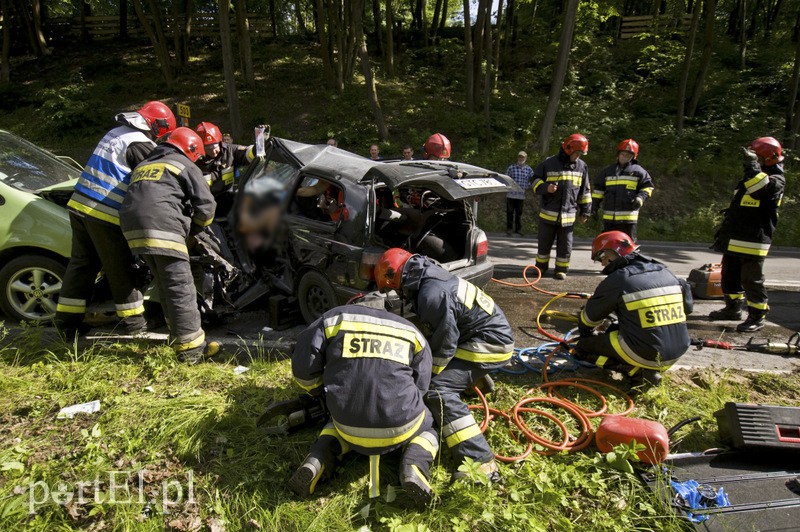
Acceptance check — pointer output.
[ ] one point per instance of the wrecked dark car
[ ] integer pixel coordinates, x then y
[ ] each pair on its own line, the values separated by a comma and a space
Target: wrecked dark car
313, 220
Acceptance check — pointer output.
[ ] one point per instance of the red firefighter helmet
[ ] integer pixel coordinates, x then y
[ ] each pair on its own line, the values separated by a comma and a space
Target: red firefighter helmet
389, 268
629, 145
187, 141
209, 133
575, 142
768, 149
615, 241
438, 146
159, 117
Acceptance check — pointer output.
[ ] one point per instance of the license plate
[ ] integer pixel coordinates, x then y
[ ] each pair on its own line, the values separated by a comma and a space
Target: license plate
472, 184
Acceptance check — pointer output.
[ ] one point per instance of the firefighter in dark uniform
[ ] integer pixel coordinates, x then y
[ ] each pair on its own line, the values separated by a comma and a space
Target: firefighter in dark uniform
374, 368
97, 242
562, 182
621, 189
746, 234
469, 337
221, 159
168, 201
651, 305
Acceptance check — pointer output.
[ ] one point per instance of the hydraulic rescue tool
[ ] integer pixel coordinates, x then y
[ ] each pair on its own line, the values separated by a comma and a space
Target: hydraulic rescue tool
756, 345
287, 417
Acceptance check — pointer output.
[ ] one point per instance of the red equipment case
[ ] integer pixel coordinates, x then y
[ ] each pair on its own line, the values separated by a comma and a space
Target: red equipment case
616, 430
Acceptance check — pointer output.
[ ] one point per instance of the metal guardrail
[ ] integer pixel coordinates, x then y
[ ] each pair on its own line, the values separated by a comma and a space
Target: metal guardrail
633, 26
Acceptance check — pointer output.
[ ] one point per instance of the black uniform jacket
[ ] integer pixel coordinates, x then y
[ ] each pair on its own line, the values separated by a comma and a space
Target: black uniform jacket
752, 217
166, 200
617, 190
220, 171
651, 305
457, 317
375, 368
573, 194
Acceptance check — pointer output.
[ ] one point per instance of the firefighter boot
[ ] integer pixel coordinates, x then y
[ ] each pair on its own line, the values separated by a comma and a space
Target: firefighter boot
415, 484
196, 355
755, 322
645, 379
732, 311
319, 463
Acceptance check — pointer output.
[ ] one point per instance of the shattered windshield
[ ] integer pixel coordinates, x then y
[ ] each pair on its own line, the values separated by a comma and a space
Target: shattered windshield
26, 167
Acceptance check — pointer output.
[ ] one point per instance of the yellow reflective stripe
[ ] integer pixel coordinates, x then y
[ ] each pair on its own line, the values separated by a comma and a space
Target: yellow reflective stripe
567, 218
425, 444
601, 361
734, 296
548, 217
598, 194
330, 430
420, 476
318, 476
472, 356
157, 243
130, 312
71, 309
210, 179
379, 437
374, 476
375, 329
197, 342
94, 213
584, 199
632, 183
251, 153
562, 263
759, 306
648, 191
656, 301
227, 175
537, 183
437, 369
614, 337
309, 385
586, 321
748, 248
616, 215
633, 372
463, 435
202, 222
631, 358
756, 182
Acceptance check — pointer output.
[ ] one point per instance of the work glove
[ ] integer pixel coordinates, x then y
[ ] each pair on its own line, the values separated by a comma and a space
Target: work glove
638, 202
750, 161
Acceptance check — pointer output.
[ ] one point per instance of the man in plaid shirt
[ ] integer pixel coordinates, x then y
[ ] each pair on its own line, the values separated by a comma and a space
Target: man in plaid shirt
523, 175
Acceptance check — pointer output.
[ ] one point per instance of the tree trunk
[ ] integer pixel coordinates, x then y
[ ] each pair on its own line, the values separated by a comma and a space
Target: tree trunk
340, 32
160, 47
443, 17
123, 20
559, 75
273, 21
245, 48
489, 76
497, 42
187, 27
793, 109
687, 66
705, 60
355, 11
510, 16
5, 64
742, 34
376, 24
324, 37
772, 8
301, 23
27, 23
177, 34
437, 12
232, 96
468, 59
424, 4
478, 45
369, 80
41, 42
389, 38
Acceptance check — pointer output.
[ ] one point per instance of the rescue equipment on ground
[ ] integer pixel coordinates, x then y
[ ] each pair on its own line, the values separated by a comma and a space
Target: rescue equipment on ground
706, 281
760, 428
620, 430
755, 345
287, 417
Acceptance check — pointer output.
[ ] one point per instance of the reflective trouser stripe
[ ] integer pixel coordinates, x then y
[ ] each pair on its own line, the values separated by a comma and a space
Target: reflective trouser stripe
428, 442
309, 385
420, 475
748, 248
627, 354
758, 306
601, 361
374, 476
380, 437
134, 308
460, 430
71, 306
191, 344
330, 430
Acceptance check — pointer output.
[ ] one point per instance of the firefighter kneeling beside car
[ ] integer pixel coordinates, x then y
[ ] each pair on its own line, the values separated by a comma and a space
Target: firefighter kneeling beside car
651, 305
374, 368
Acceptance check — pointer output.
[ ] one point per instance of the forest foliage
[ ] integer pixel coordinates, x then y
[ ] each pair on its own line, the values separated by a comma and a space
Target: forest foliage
698, 81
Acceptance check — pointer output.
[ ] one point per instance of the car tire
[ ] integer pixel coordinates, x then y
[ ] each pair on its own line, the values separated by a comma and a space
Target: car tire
315, 295
30, 286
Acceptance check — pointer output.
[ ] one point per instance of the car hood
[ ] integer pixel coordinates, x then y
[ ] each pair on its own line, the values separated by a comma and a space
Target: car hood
451, 180
65, 185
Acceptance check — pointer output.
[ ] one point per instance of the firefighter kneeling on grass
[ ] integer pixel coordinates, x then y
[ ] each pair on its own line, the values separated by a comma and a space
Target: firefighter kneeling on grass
651, 305
469, 336
374, 368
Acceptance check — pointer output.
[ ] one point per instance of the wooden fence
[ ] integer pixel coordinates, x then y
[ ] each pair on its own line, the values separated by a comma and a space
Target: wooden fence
633, 26
107, 27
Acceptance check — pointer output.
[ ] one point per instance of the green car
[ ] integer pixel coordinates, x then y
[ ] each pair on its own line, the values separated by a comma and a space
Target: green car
35, 234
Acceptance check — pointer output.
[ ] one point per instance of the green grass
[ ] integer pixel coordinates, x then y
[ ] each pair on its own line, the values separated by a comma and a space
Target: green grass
167, 422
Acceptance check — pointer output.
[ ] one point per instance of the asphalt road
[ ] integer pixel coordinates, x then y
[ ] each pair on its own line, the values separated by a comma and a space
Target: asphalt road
782, 270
